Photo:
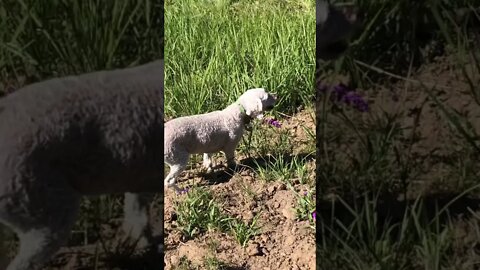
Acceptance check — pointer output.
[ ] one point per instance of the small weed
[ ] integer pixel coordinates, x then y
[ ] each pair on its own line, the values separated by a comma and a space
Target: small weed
278, 170
305, 207
199, 212
263, 141
242, 231
95, 211
311, 139
185, 264
213, 263
213, 245
247, 191
302, 170
284, 170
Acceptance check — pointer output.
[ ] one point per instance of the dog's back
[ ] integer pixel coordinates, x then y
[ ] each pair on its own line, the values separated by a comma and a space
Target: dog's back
98, 131
203, 133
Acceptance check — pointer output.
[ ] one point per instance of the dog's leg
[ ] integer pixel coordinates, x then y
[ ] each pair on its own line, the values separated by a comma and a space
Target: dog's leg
42, 233
207, 162
230, 156
140, 221
36, 246
136, 218
176, 168
171, 179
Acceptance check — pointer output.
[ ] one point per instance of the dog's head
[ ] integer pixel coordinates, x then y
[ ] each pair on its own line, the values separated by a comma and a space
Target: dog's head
334, 29
256, 101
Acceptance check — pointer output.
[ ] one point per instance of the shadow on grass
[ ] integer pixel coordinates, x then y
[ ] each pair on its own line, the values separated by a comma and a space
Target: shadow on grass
222, 174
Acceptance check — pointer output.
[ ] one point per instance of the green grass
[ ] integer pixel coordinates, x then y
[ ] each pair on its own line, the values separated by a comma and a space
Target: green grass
211, 263
305, 206
417, 238
198, 212
215, 50
265, 139
39, 40
243, 231
284, 169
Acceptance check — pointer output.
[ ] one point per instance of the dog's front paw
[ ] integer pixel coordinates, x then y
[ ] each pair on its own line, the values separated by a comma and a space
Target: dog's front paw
206, 169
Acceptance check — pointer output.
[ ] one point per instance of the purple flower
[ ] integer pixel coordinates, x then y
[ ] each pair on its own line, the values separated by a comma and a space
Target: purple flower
356, 101
183, 191
340, 91
273, 122
314, 215
344, 94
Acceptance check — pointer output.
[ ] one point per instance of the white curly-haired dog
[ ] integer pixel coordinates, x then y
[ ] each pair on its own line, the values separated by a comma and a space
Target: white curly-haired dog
212, 132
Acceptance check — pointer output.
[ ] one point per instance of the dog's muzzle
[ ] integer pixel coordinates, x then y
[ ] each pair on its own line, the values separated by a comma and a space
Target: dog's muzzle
272, 99
269, 108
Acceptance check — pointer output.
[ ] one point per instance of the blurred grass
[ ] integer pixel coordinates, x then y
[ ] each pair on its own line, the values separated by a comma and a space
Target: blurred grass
39, 40
217, 49
398, 34
375, 209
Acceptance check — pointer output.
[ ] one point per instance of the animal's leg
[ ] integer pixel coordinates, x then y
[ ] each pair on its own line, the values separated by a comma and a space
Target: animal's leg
176, 168
230, 156
42, 233
207, 162
37, 246
135, 211
138, 220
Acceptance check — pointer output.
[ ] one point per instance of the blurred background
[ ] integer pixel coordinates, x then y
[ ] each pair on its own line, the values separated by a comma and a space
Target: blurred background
398, 184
